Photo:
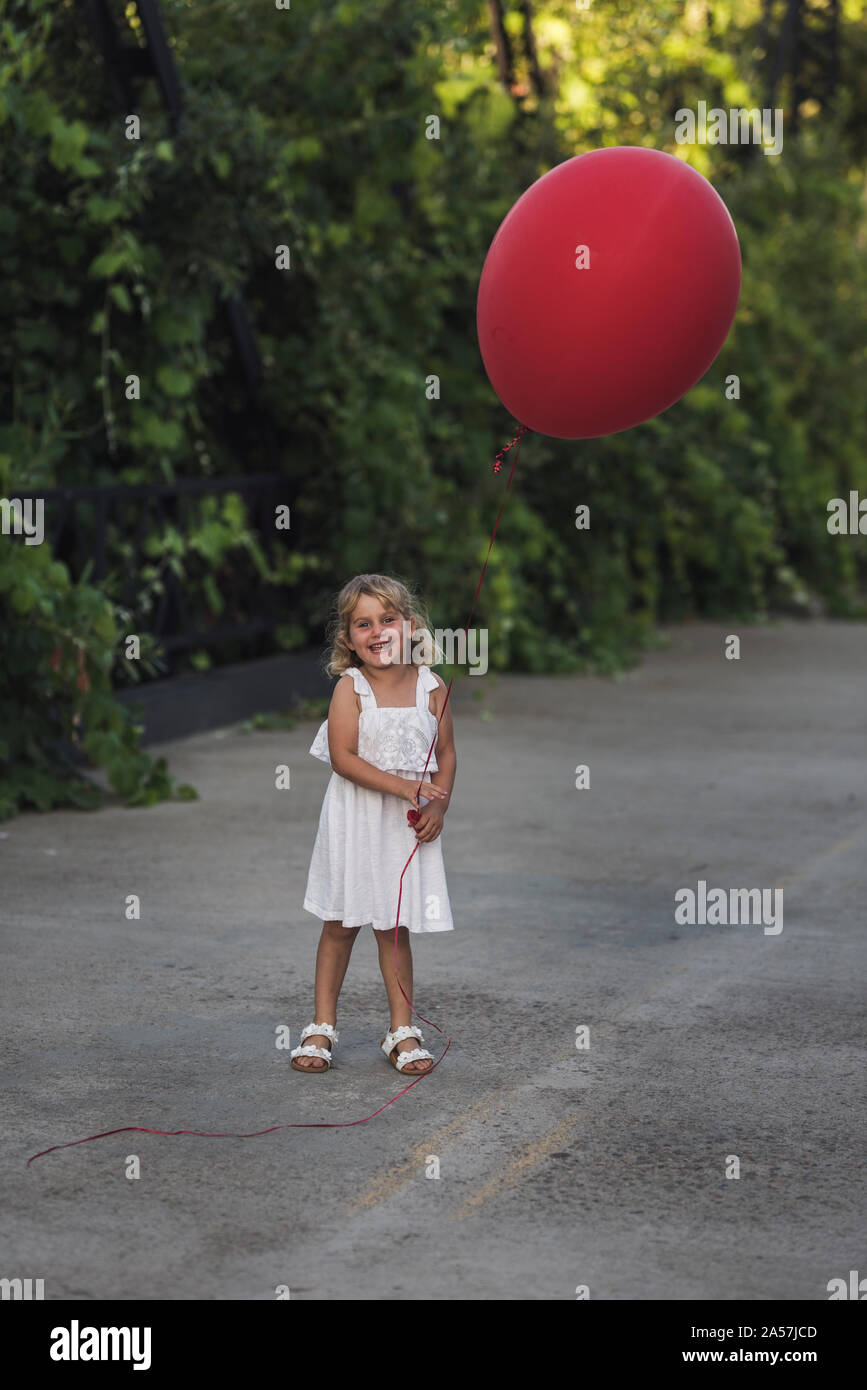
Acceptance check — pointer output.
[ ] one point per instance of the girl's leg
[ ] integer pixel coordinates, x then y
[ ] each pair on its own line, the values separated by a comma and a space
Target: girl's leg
332, 958
400, 1010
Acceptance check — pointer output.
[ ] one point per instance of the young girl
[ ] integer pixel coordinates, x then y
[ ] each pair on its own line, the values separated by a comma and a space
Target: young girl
380, 726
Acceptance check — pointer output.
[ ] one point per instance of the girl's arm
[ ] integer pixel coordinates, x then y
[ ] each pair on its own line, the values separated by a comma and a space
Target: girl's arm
447, 759
343, 745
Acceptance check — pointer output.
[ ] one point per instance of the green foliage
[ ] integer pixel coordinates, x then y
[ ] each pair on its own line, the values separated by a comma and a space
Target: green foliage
307, 130
58, 644
288, 719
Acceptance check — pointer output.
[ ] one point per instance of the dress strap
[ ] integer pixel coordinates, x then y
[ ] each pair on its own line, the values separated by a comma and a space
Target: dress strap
425, 683
362, 687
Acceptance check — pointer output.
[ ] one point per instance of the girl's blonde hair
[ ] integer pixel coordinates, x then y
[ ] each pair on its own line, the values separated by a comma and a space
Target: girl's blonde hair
391, 593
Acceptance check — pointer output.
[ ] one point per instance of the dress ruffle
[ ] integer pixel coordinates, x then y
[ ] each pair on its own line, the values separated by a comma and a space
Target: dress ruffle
392, 739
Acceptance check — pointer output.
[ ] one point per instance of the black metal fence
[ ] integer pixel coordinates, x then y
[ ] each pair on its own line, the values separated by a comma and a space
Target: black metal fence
108, 528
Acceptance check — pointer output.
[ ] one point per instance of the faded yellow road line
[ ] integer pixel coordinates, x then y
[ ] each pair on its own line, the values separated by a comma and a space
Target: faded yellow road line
829, 853
521, 1168
386, 1184
525, 1163
536, 1152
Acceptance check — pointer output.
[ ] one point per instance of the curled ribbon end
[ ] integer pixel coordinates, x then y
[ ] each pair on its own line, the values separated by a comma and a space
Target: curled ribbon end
501, 453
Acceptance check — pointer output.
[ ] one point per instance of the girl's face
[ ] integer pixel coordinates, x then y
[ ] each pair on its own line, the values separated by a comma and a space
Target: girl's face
374, 632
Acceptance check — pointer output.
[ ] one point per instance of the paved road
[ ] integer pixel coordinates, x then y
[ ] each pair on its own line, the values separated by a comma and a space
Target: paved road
559, 1167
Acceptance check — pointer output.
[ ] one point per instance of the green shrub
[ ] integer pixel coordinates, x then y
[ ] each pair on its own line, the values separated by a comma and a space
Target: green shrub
58, 644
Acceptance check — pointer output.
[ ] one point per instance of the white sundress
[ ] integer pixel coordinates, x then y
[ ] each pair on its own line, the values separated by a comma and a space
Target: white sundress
364, 839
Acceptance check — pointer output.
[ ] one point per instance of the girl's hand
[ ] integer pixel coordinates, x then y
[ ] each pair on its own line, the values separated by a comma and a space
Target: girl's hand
427, 789
430, 823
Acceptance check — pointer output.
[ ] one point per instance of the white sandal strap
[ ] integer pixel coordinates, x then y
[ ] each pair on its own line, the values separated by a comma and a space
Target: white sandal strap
311, 1051
405, 1031
327, 1030
417, 1055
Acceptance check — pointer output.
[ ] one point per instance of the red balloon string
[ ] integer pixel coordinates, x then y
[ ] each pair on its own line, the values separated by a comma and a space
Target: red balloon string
343, 1124
514, 442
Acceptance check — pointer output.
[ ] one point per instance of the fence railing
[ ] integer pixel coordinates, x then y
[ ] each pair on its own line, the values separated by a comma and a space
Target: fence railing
88, 523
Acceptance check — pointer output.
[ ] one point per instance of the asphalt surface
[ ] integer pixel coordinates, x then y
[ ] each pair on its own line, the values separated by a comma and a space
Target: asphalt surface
602, 1167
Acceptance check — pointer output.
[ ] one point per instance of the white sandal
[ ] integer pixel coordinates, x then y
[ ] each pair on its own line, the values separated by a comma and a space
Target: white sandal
328, 1031
418, 1054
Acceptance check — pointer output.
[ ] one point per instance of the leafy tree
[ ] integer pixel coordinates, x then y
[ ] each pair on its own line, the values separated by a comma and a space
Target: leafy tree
308, 129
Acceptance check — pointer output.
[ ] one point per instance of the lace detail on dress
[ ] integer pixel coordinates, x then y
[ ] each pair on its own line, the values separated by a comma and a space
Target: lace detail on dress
394, 740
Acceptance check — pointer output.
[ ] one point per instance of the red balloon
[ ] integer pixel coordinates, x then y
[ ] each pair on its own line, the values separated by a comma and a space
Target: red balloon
578, 353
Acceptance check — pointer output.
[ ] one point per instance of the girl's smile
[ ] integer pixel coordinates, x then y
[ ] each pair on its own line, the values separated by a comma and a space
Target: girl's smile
375, 632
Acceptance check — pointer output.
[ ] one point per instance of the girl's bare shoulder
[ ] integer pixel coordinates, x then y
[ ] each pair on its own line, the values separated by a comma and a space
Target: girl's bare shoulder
438, 696
344, 696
